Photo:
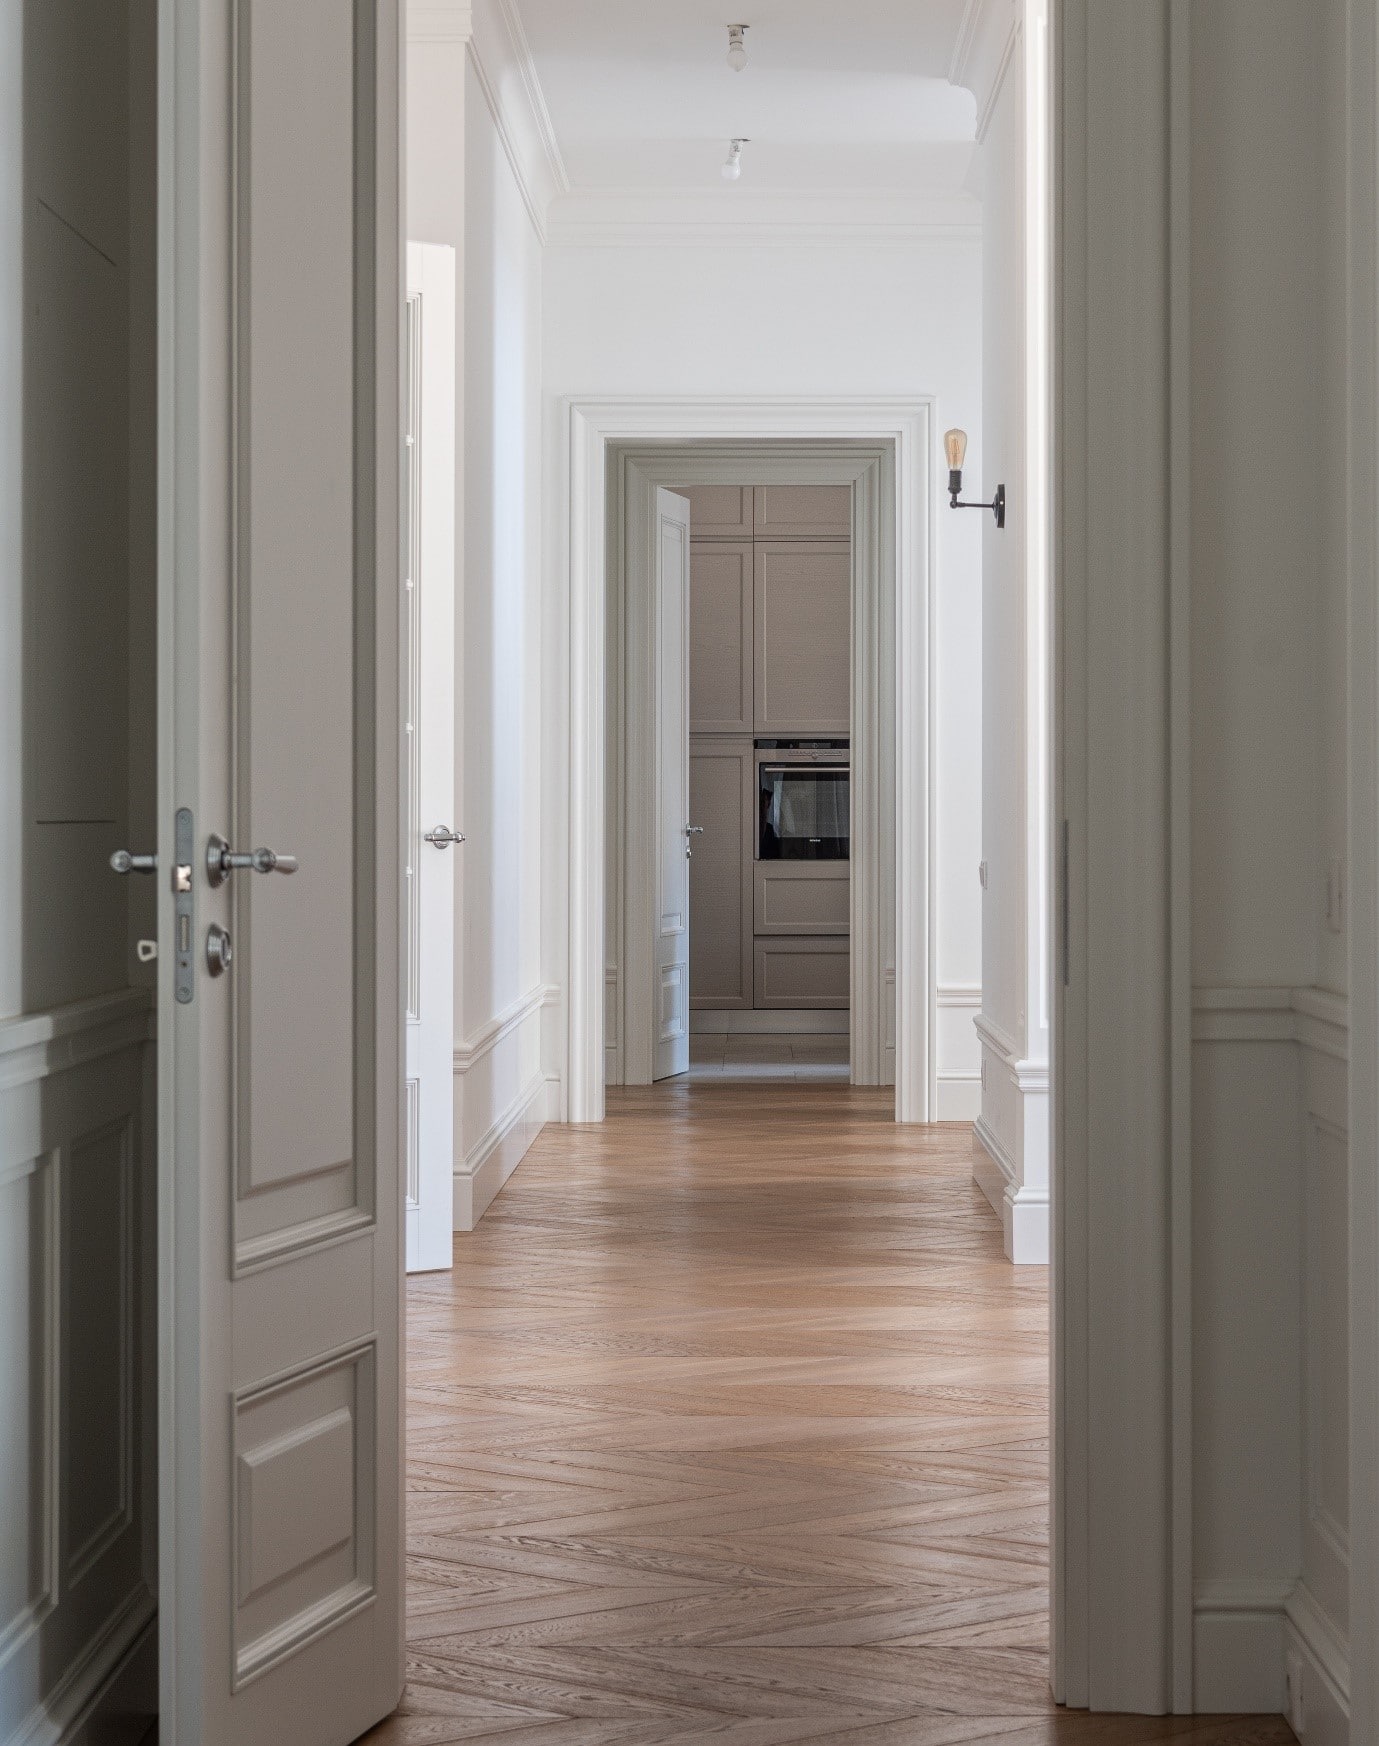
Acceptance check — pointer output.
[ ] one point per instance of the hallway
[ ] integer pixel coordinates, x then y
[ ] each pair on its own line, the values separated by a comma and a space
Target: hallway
731, 1423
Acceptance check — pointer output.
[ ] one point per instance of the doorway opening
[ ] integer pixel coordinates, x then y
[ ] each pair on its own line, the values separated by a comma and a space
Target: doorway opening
763, 705
770, 719
618, 456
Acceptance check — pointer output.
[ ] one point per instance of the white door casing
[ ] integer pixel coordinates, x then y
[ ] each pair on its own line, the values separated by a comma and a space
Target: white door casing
279, 709
673, 846
429, 787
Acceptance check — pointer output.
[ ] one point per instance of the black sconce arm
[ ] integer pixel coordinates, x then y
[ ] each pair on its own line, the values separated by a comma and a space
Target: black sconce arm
997, 504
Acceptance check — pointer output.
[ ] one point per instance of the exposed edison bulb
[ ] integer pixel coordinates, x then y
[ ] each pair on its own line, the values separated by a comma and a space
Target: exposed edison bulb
732, 168
955, 447
737, 47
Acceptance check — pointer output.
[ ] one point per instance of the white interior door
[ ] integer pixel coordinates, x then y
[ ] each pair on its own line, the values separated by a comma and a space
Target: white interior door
429, 788
281, 1188
672, 784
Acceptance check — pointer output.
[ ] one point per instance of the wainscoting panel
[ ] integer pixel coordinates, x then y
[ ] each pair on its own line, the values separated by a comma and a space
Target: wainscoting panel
1011, 1162
503, 1098
76, 1308
1270, 1215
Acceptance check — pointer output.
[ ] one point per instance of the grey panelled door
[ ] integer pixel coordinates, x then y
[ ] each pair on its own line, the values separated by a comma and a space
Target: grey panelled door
279, 728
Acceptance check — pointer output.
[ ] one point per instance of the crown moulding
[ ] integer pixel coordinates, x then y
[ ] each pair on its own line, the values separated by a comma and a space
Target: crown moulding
982, 54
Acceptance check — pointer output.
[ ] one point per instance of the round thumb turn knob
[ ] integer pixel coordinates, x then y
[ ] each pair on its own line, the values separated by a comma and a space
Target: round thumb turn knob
219, 951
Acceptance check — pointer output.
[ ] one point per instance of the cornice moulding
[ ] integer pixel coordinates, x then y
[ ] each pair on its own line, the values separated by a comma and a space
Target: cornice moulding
502, 61
983, 53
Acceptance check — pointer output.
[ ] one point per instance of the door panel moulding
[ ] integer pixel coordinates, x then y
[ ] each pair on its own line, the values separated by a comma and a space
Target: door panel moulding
866, 434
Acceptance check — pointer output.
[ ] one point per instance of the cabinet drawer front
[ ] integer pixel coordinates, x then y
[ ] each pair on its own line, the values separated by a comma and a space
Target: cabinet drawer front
795, 899
802, 973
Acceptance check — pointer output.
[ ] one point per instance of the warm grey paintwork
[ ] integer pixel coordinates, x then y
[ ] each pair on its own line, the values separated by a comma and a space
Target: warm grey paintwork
281, 1119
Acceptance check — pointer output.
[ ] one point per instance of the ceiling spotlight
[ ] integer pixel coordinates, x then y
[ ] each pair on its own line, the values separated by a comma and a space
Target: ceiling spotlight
732, 169
737, 46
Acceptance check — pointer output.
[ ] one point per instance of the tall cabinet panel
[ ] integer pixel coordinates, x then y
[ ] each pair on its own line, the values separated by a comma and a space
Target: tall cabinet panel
720, 636
803, 637
802, 512
721, 803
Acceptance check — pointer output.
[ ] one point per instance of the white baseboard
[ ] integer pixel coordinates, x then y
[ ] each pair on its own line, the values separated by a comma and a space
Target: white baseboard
113, 1681
489, 1164
959, 1095
719, 1021
1237, 1633
1317, 1666
1023, 1211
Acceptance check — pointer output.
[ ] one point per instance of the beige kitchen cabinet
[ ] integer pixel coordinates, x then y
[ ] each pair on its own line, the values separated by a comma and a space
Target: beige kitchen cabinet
722, 801
801, 972
719, 512
802, 637
800, 897
721, 641
802, 512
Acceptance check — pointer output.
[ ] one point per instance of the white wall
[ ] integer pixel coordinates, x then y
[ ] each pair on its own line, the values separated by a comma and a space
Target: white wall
463, 190
725, 318
1013, 1127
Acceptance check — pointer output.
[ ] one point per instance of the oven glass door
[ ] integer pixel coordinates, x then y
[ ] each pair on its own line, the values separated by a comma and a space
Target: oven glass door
803, 812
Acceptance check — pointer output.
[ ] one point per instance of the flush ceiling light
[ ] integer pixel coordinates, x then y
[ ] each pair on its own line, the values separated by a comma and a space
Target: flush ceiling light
732, 168
737, 46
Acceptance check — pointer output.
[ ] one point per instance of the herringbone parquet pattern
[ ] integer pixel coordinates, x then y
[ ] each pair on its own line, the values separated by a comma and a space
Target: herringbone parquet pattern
731, 1426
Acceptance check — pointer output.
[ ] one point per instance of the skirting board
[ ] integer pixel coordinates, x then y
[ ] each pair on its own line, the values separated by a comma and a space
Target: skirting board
110, 1698
959, 1095
718, 1021
1023, 1212
486, 1168
1317, 1670
1237, 1636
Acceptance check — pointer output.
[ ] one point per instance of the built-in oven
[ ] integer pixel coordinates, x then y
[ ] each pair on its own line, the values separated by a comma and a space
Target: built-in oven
803, 800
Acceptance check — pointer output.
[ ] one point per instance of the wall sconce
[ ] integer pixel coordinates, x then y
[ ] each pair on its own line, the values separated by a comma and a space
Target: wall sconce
955, 446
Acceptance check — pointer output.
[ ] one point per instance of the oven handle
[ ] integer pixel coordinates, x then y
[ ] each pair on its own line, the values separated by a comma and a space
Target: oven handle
797, 769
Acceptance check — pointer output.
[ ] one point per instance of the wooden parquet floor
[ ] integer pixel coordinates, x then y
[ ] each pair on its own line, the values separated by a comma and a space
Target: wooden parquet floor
730, 1426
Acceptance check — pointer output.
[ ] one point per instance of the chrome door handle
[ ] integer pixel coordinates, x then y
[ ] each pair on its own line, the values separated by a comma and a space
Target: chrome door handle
441, 837
694, 830
222, 860
123, 862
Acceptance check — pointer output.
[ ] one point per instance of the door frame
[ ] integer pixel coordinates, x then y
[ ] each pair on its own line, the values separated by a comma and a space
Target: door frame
591, 431
635, 473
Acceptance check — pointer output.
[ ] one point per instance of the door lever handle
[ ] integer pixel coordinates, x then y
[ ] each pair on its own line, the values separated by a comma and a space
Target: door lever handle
123, 862
694, 830
222, 861
441, 837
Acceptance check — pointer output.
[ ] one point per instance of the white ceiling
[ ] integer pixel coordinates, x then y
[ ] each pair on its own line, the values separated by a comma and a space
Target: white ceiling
852, 96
